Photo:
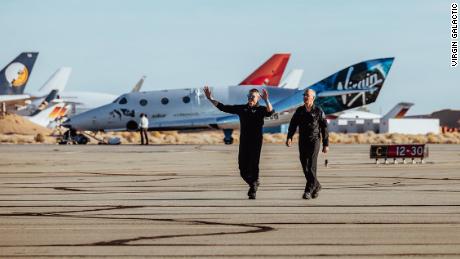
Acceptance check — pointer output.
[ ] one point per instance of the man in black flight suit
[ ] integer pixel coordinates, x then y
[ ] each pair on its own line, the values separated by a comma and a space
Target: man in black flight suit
312, 124
251, 123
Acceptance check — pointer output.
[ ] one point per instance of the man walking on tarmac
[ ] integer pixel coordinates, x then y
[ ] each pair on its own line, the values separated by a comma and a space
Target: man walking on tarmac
251, 122
312, 124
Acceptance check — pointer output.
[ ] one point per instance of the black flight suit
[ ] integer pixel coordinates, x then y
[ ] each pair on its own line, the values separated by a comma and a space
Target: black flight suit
312, 126
251, 124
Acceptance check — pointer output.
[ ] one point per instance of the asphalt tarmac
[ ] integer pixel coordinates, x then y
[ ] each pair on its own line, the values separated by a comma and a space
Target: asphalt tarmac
188, 201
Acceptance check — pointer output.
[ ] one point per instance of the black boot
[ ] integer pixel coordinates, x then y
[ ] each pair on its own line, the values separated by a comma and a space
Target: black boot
253, 190
315, 193
307, 193
307, 196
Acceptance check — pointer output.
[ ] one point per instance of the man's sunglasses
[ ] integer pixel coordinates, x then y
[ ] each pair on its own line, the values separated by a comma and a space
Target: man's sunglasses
250, 96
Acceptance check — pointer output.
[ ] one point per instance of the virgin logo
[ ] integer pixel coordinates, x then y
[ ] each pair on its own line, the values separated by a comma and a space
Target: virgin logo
372, 79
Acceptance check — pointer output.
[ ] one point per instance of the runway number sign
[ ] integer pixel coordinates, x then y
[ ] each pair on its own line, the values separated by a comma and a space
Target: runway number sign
398, 151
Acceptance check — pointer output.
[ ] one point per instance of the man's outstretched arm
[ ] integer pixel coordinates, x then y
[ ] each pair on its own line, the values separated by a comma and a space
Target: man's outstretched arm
225, 108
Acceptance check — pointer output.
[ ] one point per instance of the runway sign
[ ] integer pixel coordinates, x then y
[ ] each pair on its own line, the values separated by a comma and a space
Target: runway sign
398, 151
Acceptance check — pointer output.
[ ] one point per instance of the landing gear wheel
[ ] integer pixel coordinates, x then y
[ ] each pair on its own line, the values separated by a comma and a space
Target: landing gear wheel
81, 139
228, 141
132, 125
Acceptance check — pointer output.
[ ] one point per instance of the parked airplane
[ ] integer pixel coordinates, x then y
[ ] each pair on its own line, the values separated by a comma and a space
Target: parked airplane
176, 109
269, 73
14, 78
397, 112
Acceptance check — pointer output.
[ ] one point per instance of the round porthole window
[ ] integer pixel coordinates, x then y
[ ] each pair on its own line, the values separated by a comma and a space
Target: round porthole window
186, 99
164, 101
143, 102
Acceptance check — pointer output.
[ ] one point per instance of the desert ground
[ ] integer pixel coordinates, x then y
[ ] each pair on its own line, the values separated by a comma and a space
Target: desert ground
187, 201
15, 129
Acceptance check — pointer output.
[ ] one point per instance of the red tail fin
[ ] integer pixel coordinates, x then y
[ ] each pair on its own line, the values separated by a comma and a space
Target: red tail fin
270, 72
401, 113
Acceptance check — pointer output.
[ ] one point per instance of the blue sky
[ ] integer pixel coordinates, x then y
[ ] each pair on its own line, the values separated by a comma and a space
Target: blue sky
178, 44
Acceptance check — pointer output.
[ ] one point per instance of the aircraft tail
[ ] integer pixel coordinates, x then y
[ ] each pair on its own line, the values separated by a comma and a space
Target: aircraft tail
398, 111
14, 77
57, 81
292, 80
138, 85
46, 117
352, 87
270, 72
43, 103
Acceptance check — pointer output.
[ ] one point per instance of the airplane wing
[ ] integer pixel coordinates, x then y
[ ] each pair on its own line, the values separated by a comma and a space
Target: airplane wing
17, 99
345, 92
208, 122
296, 100
12, 98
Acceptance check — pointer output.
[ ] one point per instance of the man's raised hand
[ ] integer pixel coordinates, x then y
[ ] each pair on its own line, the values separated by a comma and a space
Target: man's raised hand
207, 92
264, 95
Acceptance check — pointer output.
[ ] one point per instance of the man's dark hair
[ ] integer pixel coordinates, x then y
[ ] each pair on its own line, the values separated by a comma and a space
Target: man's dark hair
253, 90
